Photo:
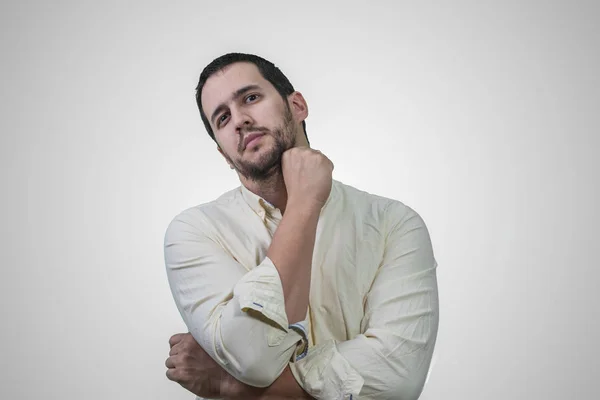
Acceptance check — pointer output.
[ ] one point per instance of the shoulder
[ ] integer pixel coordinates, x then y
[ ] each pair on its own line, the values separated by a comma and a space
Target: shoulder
201, 217
357, 197
393, 212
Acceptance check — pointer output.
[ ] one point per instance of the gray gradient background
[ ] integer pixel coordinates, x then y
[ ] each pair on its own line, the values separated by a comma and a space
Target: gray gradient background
482, 116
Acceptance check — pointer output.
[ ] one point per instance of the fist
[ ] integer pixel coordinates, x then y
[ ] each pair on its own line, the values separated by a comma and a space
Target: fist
190, 366
307, 174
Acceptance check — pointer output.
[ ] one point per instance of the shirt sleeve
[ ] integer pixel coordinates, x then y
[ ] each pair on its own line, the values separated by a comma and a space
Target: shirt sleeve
391, 358
237, 316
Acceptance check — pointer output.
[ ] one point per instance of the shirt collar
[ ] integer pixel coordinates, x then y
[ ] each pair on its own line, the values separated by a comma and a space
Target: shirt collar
260, 205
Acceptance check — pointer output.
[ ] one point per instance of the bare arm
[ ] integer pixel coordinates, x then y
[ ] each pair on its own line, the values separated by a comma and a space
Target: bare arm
308, 180
291, 251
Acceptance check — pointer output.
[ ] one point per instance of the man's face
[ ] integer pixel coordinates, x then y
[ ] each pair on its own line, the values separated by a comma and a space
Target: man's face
240, 104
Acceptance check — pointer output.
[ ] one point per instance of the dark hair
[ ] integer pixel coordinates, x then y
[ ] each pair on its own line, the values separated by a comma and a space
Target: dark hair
267, 69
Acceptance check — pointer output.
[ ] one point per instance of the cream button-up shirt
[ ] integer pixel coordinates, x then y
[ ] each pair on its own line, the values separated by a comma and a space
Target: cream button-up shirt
373, 314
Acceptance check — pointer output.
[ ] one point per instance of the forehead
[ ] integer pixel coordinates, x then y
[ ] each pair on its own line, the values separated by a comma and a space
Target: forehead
220, 86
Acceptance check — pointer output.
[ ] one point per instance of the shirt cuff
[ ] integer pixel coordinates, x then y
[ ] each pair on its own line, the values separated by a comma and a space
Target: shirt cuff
302, 347
260, 290
325, 374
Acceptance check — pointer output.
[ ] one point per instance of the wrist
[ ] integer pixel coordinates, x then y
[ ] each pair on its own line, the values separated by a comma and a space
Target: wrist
306, 206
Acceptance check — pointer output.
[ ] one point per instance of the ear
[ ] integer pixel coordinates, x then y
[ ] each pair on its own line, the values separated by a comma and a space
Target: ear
298, 106
225, 157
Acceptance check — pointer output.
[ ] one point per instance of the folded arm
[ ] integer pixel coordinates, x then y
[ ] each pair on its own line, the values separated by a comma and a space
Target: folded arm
240, 317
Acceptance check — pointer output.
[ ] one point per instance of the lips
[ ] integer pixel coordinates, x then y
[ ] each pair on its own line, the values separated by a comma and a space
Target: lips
251, 137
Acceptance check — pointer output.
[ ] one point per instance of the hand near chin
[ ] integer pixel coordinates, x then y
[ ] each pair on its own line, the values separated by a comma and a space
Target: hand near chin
190, 366
307, 174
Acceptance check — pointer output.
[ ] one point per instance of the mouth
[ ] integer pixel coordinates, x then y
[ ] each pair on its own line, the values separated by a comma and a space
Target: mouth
250, 138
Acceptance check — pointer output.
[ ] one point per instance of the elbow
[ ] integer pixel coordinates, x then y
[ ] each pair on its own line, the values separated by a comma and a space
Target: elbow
260, 375
257, 357
260, 366
261, 372
408, 389
258, 372
412, 392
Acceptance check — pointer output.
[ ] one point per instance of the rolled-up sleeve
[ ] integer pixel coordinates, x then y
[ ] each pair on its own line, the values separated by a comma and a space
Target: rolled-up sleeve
237, 316
391, 358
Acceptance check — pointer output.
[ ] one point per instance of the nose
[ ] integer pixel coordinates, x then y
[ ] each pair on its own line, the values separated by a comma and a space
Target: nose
242, 121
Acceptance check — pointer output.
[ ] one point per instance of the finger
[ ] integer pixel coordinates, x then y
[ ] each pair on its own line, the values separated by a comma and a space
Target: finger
175, 349
170, 362
172, 375
176, 339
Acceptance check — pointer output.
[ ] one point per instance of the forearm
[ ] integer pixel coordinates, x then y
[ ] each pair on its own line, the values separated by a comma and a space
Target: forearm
291, 251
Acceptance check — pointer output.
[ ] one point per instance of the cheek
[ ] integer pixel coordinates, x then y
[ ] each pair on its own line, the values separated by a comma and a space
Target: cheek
268, 115
227, 144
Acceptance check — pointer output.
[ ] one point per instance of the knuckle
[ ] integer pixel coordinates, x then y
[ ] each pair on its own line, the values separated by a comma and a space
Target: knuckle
184, 376
178, 376
175, 360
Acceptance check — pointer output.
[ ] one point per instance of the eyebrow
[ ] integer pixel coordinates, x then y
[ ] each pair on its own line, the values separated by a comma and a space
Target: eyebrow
234, 96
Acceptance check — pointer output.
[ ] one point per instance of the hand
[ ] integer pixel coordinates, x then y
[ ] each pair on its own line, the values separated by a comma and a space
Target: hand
190, 366
307, 174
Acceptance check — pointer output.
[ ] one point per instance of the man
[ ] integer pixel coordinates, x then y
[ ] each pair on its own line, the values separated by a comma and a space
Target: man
294, 285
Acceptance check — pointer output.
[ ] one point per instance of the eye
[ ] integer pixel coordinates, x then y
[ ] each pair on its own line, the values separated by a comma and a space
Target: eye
251, 98
221, 119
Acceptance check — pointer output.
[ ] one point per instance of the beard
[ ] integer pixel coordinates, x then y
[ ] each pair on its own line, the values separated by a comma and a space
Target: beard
269, 163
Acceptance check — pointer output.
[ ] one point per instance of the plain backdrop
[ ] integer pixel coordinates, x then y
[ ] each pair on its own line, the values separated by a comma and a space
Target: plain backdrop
482, 116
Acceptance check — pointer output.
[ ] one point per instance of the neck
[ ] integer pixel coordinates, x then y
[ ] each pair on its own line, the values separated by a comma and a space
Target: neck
271, 189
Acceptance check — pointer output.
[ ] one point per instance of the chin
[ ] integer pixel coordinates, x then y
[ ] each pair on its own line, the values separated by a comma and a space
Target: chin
260, 147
